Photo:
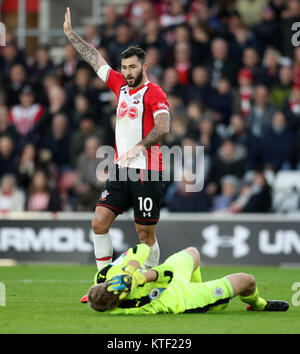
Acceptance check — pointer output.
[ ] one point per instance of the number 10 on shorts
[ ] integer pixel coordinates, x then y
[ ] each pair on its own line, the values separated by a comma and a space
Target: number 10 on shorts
145, 205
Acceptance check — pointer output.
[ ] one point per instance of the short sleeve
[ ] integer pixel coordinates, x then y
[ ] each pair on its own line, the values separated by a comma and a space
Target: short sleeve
158, 101
115, 81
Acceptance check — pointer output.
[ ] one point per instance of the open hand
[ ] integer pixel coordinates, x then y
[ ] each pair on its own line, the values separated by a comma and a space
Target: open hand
126, 157
67, 23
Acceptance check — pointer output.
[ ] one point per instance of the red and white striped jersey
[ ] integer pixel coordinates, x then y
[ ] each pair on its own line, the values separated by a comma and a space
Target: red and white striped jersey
136, 112
24, 119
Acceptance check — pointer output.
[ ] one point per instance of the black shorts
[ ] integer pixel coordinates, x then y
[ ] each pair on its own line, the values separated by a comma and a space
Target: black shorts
144, 195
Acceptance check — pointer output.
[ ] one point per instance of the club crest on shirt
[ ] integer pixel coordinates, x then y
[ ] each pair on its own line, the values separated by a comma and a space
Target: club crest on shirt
137, 99
218, 292
104, 194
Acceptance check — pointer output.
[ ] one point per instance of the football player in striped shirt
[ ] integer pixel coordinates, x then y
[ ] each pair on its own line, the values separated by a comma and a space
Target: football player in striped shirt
142, 121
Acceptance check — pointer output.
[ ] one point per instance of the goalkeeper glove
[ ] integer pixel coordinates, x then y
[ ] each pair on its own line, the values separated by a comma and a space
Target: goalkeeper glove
120, 285
164, 273
127, 282
138, 278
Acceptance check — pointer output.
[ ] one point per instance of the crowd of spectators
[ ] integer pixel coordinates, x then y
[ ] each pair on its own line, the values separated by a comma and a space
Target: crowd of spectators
232, 78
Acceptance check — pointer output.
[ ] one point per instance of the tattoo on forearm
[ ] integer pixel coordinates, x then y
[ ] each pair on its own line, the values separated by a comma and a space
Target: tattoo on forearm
159, 131
85, 50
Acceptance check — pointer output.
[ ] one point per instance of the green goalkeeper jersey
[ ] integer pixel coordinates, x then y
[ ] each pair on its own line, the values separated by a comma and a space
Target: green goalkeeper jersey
143, 300
182, 294
138, 253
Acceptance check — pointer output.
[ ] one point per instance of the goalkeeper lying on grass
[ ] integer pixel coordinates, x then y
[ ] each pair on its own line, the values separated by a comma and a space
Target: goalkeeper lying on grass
172, 287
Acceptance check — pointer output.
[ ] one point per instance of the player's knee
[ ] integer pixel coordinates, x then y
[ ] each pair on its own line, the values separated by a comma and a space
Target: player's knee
100, 226
145, 235
193, 251
251, 282
248, 281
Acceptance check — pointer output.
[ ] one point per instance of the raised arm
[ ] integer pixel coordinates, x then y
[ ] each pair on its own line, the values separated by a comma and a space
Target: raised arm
84, 49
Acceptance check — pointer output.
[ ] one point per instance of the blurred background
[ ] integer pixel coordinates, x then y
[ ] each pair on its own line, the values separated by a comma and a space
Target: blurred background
232, 77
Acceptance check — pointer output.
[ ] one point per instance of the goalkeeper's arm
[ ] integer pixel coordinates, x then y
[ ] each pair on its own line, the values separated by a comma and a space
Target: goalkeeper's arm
132, 259
136, 257
139, 254
131, 278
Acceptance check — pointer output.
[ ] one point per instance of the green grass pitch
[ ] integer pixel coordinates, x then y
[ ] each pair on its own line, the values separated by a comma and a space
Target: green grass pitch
46, 299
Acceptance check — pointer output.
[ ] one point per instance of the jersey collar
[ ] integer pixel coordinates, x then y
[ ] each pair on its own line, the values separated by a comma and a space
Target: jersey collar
133, 91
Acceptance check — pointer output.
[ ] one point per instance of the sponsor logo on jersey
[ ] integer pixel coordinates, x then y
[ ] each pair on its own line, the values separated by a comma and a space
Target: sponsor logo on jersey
162, 105
124, 111
132, 112
155, 293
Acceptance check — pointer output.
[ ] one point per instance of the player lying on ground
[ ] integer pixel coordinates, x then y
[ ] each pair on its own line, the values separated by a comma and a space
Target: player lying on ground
172, 287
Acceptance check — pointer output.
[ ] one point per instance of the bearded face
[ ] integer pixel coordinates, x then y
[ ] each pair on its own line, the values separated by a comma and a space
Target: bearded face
133, 71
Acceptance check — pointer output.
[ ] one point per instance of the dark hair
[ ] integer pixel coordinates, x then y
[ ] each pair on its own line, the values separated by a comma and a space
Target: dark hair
134, 51
47, 187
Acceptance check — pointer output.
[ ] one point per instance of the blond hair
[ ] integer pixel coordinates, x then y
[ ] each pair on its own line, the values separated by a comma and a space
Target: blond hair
100, 299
